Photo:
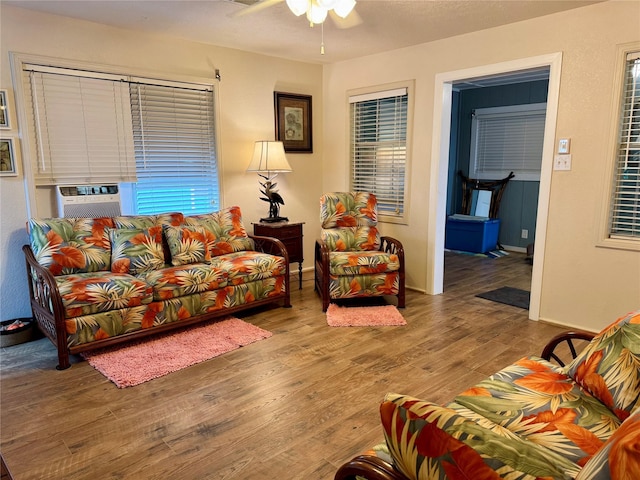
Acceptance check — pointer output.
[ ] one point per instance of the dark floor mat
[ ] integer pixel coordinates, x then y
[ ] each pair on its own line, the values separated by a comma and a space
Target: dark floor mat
508, 295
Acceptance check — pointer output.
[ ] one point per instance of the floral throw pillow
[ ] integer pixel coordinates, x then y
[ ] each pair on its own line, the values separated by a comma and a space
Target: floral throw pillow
146, 221
136, 250
609, 366
348, 209
227, 232
187, 244
350, 239
71, 245
619, 458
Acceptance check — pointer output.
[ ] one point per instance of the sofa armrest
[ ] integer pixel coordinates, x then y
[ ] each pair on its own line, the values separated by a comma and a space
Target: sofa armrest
46, 305
368, 467
555, 348
273, 246
270, 245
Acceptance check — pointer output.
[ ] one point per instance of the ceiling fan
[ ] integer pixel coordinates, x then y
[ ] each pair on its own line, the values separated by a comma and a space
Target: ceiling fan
340, 11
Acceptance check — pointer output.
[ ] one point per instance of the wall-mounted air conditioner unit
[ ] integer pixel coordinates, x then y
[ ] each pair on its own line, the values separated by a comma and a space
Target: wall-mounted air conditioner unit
90, 201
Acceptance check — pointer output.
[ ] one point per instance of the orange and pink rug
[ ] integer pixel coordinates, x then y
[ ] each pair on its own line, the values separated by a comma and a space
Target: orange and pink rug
374, 316
139, 362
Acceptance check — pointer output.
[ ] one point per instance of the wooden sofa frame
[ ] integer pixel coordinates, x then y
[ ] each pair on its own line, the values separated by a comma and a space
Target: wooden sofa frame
371, 467
48, 310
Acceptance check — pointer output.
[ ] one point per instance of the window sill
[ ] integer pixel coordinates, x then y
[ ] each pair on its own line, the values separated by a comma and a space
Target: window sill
389, 219
620, 244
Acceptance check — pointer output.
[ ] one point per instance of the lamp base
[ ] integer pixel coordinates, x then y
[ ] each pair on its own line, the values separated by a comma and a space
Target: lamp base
274, 219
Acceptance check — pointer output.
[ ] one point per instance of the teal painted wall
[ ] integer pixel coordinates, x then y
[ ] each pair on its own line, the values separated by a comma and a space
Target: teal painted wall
519, 205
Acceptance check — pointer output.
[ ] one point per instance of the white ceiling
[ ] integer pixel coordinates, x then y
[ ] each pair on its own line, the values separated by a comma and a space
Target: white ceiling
386, 24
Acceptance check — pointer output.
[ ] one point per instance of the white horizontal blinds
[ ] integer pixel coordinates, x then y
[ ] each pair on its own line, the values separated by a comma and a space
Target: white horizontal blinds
625, 211
507, 139
174, 137
379, 147
82, 127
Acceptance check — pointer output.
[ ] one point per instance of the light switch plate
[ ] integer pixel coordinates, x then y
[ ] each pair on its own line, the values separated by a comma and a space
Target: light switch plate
564, 144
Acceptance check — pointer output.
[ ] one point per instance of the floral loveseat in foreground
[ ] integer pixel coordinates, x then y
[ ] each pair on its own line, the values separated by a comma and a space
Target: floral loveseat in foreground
532, 420
96, 282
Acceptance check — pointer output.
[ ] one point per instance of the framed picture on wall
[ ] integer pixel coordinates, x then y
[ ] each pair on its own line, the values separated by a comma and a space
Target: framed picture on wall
8, 160
293, 122
4, 110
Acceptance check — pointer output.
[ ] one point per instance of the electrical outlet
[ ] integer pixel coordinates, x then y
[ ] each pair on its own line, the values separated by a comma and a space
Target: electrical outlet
525, 233
562, 162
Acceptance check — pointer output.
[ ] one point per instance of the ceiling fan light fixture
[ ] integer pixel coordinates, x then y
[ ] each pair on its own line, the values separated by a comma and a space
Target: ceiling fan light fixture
328, 4
298, 7
344, 7
316, 13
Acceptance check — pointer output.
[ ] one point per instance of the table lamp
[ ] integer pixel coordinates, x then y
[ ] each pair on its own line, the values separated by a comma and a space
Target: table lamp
268, 160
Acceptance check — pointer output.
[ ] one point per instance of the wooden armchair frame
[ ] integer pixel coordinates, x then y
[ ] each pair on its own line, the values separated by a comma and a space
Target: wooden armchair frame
369, 467
549, 352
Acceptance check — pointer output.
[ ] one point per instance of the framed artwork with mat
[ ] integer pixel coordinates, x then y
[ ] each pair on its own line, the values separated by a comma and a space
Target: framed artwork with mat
293, 122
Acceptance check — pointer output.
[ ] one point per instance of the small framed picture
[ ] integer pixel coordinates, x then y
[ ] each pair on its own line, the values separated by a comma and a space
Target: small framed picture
4, 110
293, 122
8, 160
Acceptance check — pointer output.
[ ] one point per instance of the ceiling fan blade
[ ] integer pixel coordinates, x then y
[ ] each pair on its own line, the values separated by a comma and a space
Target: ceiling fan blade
256, 7
352, 20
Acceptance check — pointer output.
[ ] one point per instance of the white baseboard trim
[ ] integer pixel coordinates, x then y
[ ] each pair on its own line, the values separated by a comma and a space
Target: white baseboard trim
511, 248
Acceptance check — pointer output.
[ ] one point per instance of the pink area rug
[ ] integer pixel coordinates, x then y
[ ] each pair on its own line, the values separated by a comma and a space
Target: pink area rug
141, 361
376, 316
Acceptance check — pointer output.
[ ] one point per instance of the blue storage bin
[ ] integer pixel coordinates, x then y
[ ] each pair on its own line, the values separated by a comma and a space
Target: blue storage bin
471, 234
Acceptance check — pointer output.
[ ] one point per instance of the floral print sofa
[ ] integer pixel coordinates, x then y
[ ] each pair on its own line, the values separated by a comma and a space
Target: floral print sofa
96, 282
532, 420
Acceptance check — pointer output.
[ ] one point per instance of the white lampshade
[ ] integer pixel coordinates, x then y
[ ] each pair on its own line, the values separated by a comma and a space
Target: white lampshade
344, 7
298, 7
268, 157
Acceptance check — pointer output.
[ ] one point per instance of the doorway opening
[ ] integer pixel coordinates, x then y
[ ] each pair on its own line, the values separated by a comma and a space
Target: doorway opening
438, 194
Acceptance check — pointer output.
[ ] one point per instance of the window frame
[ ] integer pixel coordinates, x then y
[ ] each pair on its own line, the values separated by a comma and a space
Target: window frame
38, 197
502, 113
372, 91
152, 105
92, 105
604, 238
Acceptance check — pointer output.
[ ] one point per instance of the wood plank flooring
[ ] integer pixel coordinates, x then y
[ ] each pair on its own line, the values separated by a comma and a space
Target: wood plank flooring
295, 406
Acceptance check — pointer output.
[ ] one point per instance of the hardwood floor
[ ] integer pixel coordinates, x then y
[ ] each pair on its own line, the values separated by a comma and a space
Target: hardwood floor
295, 406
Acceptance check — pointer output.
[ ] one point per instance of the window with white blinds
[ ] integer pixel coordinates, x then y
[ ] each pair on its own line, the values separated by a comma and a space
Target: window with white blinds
175, 149
625, 202
155, 137
379, 148
82, 126
507, 139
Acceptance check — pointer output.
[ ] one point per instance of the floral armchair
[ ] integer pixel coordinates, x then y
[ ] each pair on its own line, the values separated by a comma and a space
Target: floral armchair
531, 420
351, 258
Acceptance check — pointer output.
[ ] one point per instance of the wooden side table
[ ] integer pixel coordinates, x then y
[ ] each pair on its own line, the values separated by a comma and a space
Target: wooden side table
288, 233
